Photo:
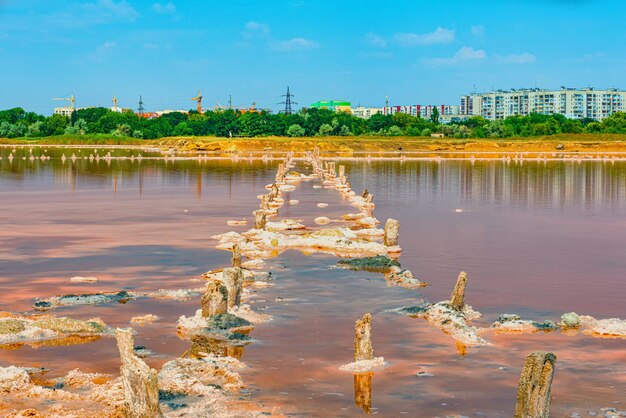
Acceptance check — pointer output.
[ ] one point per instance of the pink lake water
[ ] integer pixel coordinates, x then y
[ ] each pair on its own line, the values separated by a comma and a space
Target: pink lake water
537, 239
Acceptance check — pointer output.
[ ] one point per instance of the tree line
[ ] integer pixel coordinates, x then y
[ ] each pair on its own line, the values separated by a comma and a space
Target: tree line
18, 123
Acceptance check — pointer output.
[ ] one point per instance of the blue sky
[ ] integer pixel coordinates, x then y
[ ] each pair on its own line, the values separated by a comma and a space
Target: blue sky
415, 52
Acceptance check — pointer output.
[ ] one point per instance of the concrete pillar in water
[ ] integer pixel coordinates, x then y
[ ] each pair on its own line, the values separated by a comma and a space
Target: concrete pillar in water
141, 390
215, 299
342, 170
392, 230
236, 259
457, 300
535, 386
363, 338
363, 391
260, 219
233, 280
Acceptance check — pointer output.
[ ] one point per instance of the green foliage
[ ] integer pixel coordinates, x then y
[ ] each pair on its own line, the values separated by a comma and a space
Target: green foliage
18, 123
295, 130
325, 130
434, 117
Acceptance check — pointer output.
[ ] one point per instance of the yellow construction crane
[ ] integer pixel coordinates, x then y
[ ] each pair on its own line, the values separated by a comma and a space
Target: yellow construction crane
198, 100
70, 99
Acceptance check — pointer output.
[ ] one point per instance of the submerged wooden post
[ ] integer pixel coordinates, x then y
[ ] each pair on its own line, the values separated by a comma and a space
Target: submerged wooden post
365, 194
392, 230
535, 386
363, 338
236, 259
457, 300
363, 391
215, 299
260, 219
233, 280
141, 390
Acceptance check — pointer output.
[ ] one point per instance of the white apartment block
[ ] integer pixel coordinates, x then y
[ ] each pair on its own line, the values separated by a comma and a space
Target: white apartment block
365, 112
422, 111
571, 103
64, 111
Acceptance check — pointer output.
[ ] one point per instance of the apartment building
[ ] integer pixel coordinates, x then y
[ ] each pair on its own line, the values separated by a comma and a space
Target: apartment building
422, 111
366, 112
572, 103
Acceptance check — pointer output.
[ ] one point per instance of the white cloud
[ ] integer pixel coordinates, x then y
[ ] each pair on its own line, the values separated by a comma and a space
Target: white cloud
594, 56
103, 51
103, 10
478, 31
439, 36
375, 40
151, 46
295, 44
255, 29
464, 55
164, 8
383, 55
525, 58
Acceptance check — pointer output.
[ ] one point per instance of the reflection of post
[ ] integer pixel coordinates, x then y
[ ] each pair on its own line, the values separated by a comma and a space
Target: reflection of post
535, 386
363, 390
461, 348
141, 391
199, 185
202, 346
457, 300
363, 338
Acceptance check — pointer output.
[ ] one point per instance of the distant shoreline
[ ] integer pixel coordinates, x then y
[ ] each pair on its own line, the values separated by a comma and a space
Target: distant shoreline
555, 146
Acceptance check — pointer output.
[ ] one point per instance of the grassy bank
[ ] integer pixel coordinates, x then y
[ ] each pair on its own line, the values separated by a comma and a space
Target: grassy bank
578, 143
567, 143
98, 139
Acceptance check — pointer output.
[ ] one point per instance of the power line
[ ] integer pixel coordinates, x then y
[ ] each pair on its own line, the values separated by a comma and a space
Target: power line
288, 102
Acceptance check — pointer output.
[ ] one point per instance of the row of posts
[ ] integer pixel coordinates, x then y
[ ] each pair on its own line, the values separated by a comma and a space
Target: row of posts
534, 390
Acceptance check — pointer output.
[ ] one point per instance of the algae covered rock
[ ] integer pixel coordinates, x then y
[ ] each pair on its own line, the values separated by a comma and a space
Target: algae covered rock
83, 299
226, 322
70, 325
570, 320
378, 264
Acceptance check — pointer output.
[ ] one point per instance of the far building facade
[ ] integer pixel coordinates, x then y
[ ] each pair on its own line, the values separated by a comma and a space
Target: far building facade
334, 105
569, 102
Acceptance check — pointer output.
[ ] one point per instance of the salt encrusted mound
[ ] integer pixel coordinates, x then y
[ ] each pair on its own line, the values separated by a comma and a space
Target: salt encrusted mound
104, 298
515, 324
16, 384
453, 322
255, 264
608, 328
363, 365
15, 328
81, 279
142, 320
284, 225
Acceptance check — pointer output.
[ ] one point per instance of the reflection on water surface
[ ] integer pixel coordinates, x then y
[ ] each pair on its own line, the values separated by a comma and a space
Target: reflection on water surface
537, 238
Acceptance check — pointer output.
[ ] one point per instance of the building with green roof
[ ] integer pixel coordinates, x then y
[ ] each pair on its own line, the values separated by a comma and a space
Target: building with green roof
334, 105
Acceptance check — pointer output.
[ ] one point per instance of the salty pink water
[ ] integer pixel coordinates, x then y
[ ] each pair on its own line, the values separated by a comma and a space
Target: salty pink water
537, 239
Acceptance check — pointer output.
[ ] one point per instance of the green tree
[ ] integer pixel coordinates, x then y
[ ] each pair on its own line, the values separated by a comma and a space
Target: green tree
325, 130
295, 130
434, 116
